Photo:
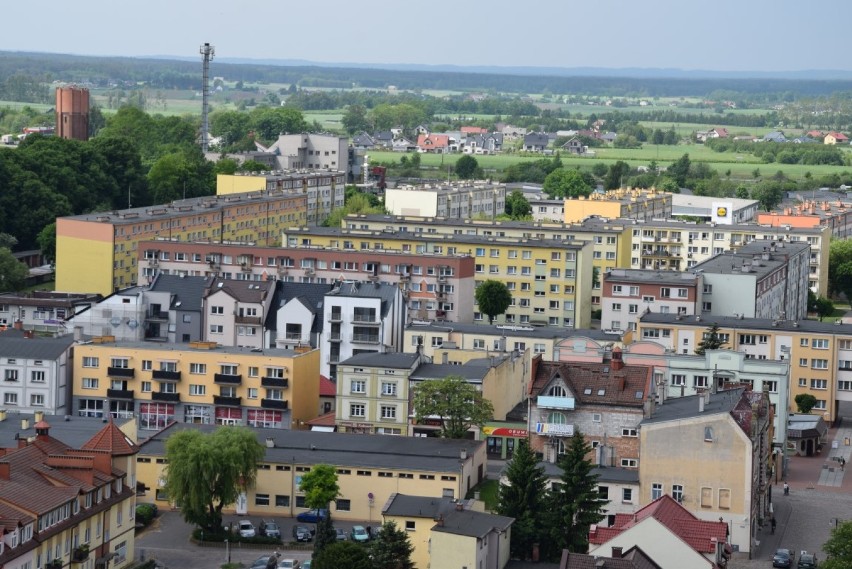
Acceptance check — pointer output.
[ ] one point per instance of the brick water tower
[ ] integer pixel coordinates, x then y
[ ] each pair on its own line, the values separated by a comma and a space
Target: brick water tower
72, 112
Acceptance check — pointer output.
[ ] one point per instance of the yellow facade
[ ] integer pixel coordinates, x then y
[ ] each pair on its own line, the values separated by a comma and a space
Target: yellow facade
229, 184
419, 531
197, 366
83, 251
622, 203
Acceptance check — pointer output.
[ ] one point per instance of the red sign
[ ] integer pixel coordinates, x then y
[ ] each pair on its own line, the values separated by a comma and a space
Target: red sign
505, 432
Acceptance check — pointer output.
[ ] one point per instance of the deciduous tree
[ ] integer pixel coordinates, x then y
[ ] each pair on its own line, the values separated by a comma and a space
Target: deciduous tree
457, 404
840, 267
206, 472
566, 183
805, 402
517, 206
342, 554
467, 167
13, 273
839, 547
320, 487
493, 298
523, 498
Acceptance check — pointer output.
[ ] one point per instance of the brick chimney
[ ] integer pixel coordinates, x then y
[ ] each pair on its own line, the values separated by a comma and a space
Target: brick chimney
616, 552
42, 429
617, 363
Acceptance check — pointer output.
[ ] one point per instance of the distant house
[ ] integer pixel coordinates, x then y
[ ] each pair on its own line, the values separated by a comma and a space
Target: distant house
835, 138
536, 142
575, 146
513, 132
433, 143
364, 141
483, 143
719, 133
402, 144
384, 138
473, 130
774, 136
815, 133
609, 137
422, 129
805, 140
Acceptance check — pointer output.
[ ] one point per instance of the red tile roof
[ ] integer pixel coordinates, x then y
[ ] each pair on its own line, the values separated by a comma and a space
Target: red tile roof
474, 130
701, 535
326, 420
433, 141
327, 388
113, 440
595, 383
838, 135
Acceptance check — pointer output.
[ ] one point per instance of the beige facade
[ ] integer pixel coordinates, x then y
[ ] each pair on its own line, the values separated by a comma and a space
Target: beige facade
635, 204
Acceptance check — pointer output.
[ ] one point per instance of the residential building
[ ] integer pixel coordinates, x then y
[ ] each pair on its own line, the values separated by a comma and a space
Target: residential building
760, 280
235, 312
712, 453
633, 558
373, 393
460, 200
575, 146
311, 151
535, 142
606, 402
72, 112
450, 533
433, 143
549, 279
369, 468
666, 532
834, 214
819, 353
67, 504
121, 315
324, 190
629, 293
678, 246
835, 138
42, 310
199, 382
36, 371
360, 319
709, 209
805, 434
640, 205
298, 320
97, 252
174, 310
548, 210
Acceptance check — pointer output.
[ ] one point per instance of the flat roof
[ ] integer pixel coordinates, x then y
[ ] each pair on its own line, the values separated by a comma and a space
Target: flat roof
541, 332
593, 224
810, 326
686, 200
676, 408
187, 347
651, 275
393, 360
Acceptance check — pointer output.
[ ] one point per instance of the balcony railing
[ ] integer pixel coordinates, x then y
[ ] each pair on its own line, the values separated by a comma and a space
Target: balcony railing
170, 397
164, 375
274, 404
297, 336
365, 338
227, 378
281, 382
226, 401
552, 402
120, 371
158, 315
247, 319
365, 319
80, 554
119, 393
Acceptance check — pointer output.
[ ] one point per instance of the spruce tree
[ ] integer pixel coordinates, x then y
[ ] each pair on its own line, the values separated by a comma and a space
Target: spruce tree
392, 549
523, 499
712, 340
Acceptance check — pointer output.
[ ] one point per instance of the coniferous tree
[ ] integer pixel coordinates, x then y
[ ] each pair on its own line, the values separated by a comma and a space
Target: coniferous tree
712, 340
392, 549
576, 504
523, 498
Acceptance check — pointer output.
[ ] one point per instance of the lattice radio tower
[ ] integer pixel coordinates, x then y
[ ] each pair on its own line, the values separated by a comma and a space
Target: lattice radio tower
207, 52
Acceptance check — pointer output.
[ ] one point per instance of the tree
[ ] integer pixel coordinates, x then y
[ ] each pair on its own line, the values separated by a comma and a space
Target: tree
840, 267
457, 404
467, 167
679, 170
355, 119
46, 240
616, 174
517, 206
712, 340
769, 193
206, 472
805, 402
577, 503
824, 307
523, 498
320, 487
493, 298
392, 549
341, 554
741, 193
838, 548
566, 184
13, 273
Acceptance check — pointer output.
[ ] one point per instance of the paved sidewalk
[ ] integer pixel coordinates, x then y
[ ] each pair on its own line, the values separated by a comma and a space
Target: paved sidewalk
823, 471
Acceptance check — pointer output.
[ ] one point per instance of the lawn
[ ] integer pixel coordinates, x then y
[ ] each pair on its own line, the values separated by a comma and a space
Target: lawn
488, 493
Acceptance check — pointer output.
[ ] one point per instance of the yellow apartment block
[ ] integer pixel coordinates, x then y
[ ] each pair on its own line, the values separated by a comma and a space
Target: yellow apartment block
97, 253
370, 469
550, 280
819, 353
199, 382
623, 203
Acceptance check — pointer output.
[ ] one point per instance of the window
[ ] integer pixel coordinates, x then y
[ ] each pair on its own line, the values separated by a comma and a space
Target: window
803, 362
628, 432
389, 389
819, 344
700, 381
89, 361
819, 364
803, 382
146, 387
388, 412
356, 410
37, 400
603, 492
199, 369
677, 493
217, 329
10, 375
217, 310
819, 384
197, 390
90, 383
10, 398
261, 499
656, 491
678, 379
37, 376
627, 495
358, 386
725, 498
282, 501
596, 417
343, 505
146, 365
409, 525
629, 463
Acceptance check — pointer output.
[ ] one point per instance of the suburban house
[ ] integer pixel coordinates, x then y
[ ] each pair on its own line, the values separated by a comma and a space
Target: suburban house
363, 141
575, 146
468, 130
384, 138
422, 129
433, 143
774, 136
835, 138
402, 144
535, 142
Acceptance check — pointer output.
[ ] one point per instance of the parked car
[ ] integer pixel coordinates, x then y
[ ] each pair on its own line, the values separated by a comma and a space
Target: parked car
374, 531
783, 558
359, 534
312, 516
302, 533
306, 564
807, 561
260, 562
246, 529
288, 564
341, 534
269, 528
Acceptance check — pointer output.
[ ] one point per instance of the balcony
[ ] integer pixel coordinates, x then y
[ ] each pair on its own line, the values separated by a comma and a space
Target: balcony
335, 337
336, 317
239, 319
120, 371
158, 315
226, 401
168, 397
549, 402
80, 554
294, 337
245, 267
164, 375
281, 382
365, 319
555, 429
365, 338
333, 358
274, 404
119, 394
227, 379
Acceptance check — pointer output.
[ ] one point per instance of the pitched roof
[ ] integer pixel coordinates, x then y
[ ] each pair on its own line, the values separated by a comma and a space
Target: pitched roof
393, 360
243, 291
187, 292
14, 344
386, 292
633, 558
111, 439
472, 524
433, 140
701, 535
327, 420
595, 383
327, 388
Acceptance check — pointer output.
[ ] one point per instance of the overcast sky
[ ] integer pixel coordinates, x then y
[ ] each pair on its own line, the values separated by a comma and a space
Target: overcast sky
725, 35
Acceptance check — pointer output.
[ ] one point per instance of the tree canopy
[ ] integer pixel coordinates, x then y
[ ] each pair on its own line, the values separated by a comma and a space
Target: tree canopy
838, 548
524, 497
566, 184
341, 554
457, 404
840, 267
206, 472
467, 167
712, 340
13, 273
493, 298
805, 402
517, 206
391, 549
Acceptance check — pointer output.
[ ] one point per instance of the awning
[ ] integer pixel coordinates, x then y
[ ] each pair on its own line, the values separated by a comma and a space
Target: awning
322, 429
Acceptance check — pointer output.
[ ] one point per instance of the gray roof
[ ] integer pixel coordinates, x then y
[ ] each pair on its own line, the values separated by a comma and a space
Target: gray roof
311, 295
540, 332
472, 524
604, 473
13, 344
418, 506
392, 360
243, 291
471, 373
648, 275
70, 429
536, 139
427, 454
219, 349
386, 292
187, 292
686, 407
752, 256
811, 326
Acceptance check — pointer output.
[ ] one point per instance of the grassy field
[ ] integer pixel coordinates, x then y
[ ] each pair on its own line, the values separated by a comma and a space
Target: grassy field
15, 106
487, 493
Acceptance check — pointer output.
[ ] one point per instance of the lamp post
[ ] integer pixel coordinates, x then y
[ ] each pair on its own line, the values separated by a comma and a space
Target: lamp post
227, 551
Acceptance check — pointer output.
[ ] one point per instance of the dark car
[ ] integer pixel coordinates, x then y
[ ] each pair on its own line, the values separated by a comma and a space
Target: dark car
269, 528
312, 516
807, 561
302, 533
340, 534
783, 558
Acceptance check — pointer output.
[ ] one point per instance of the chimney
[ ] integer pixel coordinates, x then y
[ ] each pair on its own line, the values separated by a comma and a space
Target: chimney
616, 552
78, 333
5, 470
700, 401
617, 363
18, 324
25, 424
270, 442
42, 429
38, 416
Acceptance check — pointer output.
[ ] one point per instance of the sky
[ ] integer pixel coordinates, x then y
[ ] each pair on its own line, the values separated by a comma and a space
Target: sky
722, 35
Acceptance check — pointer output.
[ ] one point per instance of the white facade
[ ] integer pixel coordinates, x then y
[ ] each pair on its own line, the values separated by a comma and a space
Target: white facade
667, 549
120, 315
460, 201
294, 322
35, 373
237, 317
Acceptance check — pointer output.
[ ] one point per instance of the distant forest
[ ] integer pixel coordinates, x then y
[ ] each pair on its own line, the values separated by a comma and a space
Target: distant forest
20, 72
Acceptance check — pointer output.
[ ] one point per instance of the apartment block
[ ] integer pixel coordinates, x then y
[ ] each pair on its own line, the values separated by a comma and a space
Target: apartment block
679, 246
42, 310
98, 252
35, 372
431, 282
324, 191
636, 204
834, 214
629, 293
460, 200
550, 281
198, 382
723, 211
819, 353
311, 151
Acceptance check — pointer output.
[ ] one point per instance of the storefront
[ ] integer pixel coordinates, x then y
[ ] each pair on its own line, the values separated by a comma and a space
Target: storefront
503, 438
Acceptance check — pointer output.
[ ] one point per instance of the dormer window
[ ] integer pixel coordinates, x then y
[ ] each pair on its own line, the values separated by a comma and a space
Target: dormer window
557, 391
88, 500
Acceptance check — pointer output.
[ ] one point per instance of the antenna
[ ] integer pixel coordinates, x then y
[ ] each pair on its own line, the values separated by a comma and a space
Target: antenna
207, 52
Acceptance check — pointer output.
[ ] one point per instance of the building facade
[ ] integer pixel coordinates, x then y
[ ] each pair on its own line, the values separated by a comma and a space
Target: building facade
36, 372
42, 310
640, 205
311, 151
462, 200
72, 113
629, 293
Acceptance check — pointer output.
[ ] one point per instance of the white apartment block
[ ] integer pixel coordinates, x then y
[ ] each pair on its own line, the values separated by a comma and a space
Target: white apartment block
459, 200
35, 372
